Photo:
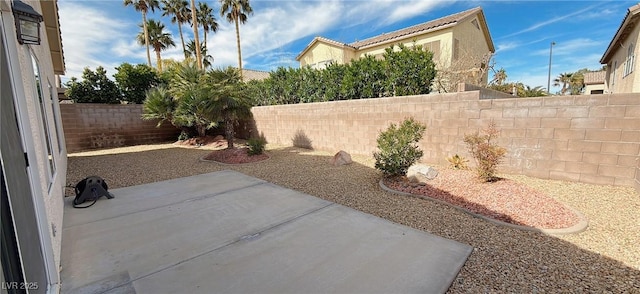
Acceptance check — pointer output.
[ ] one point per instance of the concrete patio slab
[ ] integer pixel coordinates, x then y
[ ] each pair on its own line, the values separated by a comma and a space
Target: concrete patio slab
226, 232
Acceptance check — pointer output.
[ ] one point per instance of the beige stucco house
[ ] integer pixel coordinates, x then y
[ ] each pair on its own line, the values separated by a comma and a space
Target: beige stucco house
460, 42
32, 153
623, 71
594, 82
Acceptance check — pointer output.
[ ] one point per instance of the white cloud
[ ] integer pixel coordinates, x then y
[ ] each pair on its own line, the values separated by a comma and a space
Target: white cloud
571, 47
551, 21
88, 35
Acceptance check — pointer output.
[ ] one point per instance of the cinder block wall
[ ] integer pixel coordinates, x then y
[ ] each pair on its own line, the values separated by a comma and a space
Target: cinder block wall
590, 138
90, 126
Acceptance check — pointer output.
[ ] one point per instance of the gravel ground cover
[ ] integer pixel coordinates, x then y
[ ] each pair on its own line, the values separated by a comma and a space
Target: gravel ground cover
603, 259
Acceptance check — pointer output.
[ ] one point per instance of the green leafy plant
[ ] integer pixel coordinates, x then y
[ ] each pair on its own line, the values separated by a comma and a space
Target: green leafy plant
458, 162
256, 145
398, 147
486, 152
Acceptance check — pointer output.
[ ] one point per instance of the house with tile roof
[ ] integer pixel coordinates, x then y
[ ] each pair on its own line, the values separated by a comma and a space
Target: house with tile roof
594, 82
623, 71
252, 74
460, 42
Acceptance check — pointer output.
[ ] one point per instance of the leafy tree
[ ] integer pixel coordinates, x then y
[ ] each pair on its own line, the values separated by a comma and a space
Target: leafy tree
192, 91
143, 6
230, 101
135, 80
207, 21
95, 87
179, 12
207, 59
564, 80
158, 38
159, 104
410, 71
236, 11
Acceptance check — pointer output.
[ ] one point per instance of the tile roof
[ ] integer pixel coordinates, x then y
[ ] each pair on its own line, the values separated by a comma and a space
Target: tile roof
251, 74
594, 77
427, 26
631, 19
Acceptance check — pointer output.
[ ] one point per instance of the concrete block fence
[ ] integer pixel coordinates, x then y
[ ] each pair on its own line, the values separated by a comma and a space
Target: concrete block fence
589, 138
90, 126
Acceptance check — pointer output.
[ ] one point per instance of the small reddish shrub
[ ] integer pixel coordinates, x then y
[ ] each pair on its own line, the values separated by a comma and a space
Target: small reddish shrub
486, 152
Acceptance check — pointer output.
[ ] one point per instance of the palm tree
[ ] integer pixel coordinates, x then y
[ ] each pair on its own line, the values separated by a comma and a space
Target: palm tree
193, 92
179, 12
230, 100
207, 60
564, 80
206, 20
194, 24
236, 11
158, 38
144, 6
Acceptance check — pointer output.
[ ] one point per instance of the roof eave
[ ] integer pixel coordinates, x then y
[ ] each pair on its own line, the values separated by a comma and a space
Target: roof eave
395, 40
632, 13
52, 29
320, 39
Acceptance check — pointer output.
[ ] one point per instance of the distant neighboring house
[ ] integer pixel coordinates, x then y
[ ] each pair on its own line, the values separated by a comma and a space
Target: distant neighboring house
594, 82
460, 42
623, 71
32, 147
251, 74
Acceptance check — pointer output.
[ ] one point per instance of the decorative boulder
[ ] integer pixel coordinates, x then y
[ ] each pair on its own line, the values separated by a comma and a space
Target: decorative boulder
341, 158
421, 173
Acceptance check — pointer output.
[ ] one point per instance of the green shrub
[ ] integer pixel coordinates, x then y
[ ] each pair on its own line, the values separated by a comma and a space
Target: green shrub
458, 162
398, 147
486, 152
184, 135
256, 146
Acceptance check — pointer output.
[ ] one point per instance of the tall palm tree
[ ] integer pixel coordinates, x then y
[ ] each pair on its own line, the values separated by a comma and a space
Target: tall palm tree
144, 6
158, 38
194, 24
206, 20
236, 11
564, 80
179, 12
230, 100
207, 59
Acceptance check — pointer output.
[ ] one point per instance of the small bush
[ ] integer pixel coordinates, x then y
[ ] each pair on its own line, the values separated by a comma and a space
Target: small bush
398, 147
486, 153
301, 140
184, 135
458, 162
256, 146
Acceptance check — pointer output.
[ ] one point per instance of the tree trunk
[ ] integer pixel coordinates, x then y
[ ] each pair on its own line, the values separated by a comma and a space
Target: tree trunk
159, 60
194, 21
184, 50
239, 50
228, 130
146, 36
202, 130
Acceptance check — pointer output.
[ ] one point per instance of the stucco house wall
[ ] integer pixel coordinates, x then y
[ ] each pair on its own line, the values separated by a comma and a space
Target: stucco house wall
322, 52
442, 36
616, 55
40, 126
472, 45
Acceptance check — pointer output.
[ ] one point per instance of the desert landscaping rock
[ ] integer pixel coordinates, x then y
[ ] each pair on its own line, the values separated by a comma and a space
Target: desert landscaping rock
341, 158
605, 258
421, 173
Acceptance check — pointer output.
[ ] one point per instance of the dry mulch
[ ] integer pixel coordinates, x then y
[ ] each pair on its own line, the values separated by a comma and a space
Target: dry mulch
235, 156
504, 200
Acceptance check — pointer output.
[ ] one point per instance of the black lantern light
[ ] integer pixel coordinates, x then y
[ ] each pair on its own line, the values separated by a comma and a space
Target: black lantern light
27, 23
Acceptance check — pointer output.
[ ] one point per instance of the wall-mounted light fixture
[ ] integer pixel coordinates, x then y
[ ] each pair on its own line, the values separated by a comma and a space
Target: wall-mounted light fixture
27, 23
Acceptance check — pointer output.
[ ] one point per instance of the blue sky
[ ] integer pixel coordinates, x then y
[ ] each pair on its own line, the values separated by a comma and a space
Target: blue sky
102, 32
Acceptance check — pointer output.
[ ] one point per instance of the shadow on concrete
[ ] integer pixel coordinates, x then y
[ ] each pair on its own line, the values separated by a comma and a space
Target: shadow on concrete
504, 259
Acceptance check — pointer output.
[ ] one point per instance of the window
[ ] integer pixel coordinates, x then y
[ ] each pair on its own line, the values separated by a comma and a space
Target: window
45, 107
628, 65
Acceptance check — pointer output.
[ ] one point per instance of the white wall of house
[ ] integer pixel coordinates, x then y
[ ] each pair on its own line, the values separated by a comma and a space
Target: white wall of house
41, 130
616, 81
